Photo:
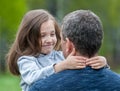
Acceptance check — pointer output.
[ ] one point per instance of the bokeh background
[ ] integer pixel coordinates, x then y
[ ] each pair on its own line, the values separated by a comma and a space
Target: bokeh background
12, 11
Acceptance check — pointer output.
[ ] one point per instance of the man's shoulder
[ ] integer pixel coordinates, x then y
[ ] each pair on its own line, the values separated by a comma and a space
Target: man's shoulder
74, 80
110, 72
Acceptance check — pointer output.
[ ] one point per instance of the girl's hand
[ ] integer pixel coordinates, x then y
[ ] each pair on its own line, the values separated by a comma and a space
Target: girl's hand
71, 62
74, 62
96, 62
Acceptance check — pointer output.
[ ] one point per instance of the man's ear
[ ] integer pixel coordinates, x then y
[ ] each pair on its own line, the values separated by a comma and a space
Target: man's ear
69, 46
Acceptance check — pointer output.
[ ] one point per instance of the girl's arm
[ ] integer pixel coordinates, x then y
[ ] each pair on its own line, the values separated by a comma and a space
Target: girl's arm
31, 72
71, 62
78, 62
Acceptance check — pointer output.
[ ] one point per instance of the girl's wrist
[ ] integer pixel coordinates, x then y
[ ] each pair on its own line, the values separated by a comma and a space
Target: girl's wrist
60, 66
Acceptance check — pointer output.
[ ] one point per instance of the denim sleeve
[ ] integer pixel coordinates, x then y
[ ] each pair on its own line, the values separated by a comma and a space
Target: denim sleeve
30, 71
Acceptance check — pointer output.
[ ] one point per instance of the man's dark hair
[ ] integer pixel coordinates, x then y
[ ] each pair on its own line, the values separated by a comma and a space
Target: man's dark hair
84, 29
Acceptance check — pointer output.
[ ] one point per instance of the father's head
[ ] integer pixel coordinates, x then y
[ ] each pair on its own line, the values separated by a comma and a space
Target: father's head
82, 30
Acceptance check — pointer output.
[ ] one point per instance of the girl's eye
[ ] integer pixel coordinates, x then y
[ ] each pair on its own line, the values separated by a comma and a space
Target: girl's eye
42, 35
53, 34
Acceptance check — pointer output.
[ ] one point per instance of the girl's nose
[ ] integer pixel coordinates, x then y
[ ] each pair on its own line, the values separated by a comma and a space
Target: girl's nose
49, 39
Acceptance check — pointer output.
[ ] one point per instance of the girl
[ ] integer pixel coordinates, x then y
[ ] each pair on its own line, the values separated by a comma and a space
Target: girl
35, 52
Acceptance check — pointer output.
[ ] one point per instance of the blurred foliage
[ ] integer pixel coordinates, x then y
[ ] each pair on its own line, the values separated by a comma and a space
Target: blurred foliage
11, 13
10, 16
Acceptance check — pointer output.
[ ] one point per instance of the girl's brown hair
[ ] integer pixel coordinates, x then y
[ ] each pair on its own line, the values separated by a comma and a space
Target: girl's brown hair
28, 36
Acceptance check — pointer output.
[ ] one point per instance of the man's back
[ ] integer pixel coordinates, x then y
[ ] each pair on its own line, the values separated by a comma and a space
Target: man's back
80, 80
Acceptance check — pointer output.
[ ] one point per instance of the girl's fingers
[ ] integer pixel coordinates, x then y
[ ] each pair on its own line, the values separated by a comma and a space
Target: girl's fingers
94, 65
81, 64
80, 67
91, 62
78, 59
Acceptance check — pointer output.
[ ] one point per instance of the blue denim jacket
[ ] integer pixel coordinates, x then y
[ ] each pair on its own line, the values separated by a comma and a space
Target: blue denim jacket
86, 79
33, 68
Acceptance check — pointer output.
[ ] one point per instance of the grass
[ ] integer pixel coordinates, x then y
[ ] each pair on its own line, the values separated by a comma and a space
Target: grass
9, 82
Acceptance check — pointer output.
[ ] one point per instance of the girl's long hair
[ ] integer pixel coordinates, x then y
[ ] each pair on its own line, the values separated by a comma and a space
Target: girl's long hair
28, 37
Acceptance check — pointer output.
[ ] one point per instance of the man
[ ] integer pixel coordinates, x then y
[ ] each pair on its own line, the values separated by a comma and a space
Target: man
82, 30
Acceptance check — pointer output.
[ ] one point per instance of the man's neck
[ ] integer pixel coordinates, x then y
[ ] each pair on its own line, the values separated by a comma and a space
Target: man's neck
78, 54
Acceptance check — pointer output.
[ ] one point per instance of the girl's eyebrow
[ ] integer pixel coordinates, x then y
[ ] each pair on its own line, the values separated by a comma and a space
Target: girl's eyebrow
45, 32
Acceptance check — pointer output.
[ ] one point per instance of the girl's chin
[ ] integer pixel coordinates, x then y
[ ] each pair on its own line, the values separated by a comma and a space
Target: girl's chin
46, 52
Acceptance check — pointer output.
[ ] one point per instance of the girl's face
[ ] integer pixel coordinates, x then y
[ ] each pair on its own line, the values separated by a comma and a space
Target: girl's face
48, 37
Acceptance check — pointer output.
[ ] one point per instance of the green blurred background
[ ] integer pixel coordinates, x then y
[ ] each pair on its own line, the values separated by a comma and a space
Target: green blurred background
11, 13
